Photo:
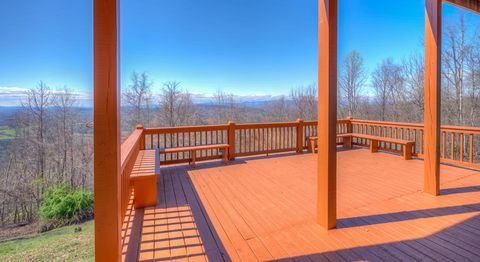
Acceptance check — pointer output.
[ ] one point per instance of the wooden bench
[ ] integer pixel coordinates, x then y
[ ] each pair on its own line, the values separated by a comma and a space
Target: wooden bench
312, 141
407, 144
144, 178
193, 149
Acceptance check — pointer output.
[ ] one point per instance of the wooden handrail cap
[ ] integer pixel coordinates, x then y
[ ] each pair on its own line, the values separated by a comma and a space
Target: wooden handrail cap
139, 127
231, 122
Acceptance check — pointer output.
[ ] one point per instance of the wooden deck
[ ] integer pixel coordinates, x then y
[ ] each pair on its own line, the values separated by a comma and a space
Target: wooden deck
263, 209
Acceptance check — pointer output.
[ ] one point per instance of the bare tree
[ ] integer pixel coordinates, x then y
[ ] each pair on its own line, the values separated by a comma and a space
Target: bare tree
169, 101
176, 107
225, 108
66, 118
305, 101
388, 85
351, 81
138, 98
278, 110
413, 68
454, 58
187, 111
473, 79
36, 106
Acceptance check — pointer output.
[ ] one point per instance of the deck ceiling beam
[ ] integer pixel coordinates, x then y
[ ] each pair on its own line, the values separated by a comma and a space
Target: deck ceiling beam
106, 117
472, 5
433, 40
327, 114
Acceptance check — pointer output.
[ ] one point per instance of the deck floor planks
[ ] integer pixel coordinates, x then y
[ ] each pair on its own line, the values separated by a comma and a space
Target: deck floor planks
264, 209
193, 243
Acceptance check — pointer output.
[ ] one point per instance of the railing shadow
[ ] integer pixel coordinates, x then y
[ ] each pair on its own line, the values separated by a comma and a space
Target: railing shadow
459, 190
177, 228
406, 215
456, 245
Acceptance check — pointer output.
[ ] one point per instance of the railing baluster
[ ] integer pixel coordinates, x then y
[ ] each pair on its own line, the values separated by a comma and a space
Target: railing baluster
461, 147
452, 146
471, 148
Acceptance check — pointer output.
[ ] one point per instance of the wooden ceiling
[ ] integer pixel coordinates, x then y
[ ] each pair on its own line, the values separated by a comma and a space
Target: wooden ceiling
472, 5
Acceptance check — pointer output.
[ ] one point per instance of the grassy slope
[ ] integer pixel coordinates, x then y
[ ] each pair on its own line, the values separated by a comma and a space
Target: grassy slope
6, 133
61, 244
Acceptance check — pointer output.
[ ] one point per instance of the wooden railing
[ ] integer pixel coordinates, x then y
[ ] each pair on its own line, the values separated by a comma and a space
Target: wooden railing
184, 136
459, 145
129, 151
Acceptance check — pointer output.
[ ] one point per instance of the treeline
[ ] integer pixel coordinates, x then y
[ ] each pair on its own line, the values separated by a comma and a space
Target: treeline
173, 106
393, 91
52, 146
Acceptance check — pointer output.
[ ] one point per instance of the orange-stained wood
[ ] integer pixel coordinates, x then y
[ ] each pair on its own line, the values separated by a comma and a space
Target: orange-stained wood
327, 114
433, 36
471, 5
107, 180
263, 209
144, 178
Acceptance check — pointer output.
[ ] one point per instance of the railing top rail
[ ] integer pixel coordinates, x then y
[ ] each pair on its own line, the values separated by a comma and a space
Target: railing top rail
266, 125
127, 147
386, 123
466, 129
156, 130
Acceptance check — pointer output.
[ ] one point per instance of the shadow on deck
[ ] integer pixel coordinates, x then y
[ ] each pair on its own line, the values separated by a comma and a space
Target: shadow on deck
263, 208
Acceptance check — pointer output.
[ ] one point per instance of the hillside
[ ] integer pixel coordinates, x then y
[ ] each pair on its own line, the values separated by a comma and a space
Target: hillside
62, 244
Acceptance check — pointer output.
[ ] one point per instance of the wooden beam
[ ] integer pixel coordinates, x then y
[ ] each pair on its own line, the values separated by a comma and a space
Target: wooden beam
106, 133
433, 39
327, 114
471, 5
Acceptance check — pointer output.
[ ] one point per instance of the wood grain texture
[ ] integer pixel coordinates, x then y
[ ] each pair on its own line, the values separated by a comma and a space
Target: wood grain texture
472, 5
327, 113
433, 38
264, 209
107, 174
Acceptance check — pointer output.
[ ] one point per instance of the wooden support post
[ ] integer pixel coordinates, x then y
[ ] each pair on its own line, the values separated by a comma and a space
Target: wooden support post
231, 140
142, 139
347, 142
349, 125
327, 114
373, 145
407, 151
106, 166
300, 135
433, 39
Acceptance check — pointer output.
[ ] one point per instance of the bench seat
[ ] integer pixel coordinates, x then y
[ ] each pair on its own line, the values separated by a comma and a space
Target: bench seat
193, 149
144, 178
407, 144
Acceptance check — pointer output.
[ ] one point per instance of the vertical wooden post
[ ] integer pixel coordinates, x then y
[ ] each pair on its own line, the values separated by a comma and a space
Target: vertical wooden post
142, 138
231, 140
433, 39
107, 180
327, 114
299, 135
349, 125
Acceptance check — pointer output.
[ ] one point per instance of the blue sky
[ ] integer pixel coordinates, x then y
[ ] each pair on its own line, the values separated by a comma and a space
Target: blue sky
249, 47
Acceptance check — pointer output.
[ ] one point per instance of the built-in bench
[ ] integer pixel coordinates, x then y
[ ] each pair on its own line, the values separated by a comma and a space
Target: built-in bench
374, 140
144, 178
193, 149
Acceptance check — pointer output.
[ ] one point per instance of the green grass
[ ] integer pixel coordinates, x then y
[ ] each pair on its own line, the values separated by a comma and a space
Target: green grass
6, 133
61, 244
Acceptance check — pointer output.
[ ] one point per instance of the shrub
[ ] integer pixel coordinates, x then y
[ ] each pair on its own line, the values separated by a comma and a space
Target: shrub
66, 205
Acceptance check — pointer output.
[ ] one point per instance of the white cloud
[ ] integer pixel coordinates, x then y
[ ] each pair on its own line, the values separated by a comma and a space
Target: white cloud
14, 95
